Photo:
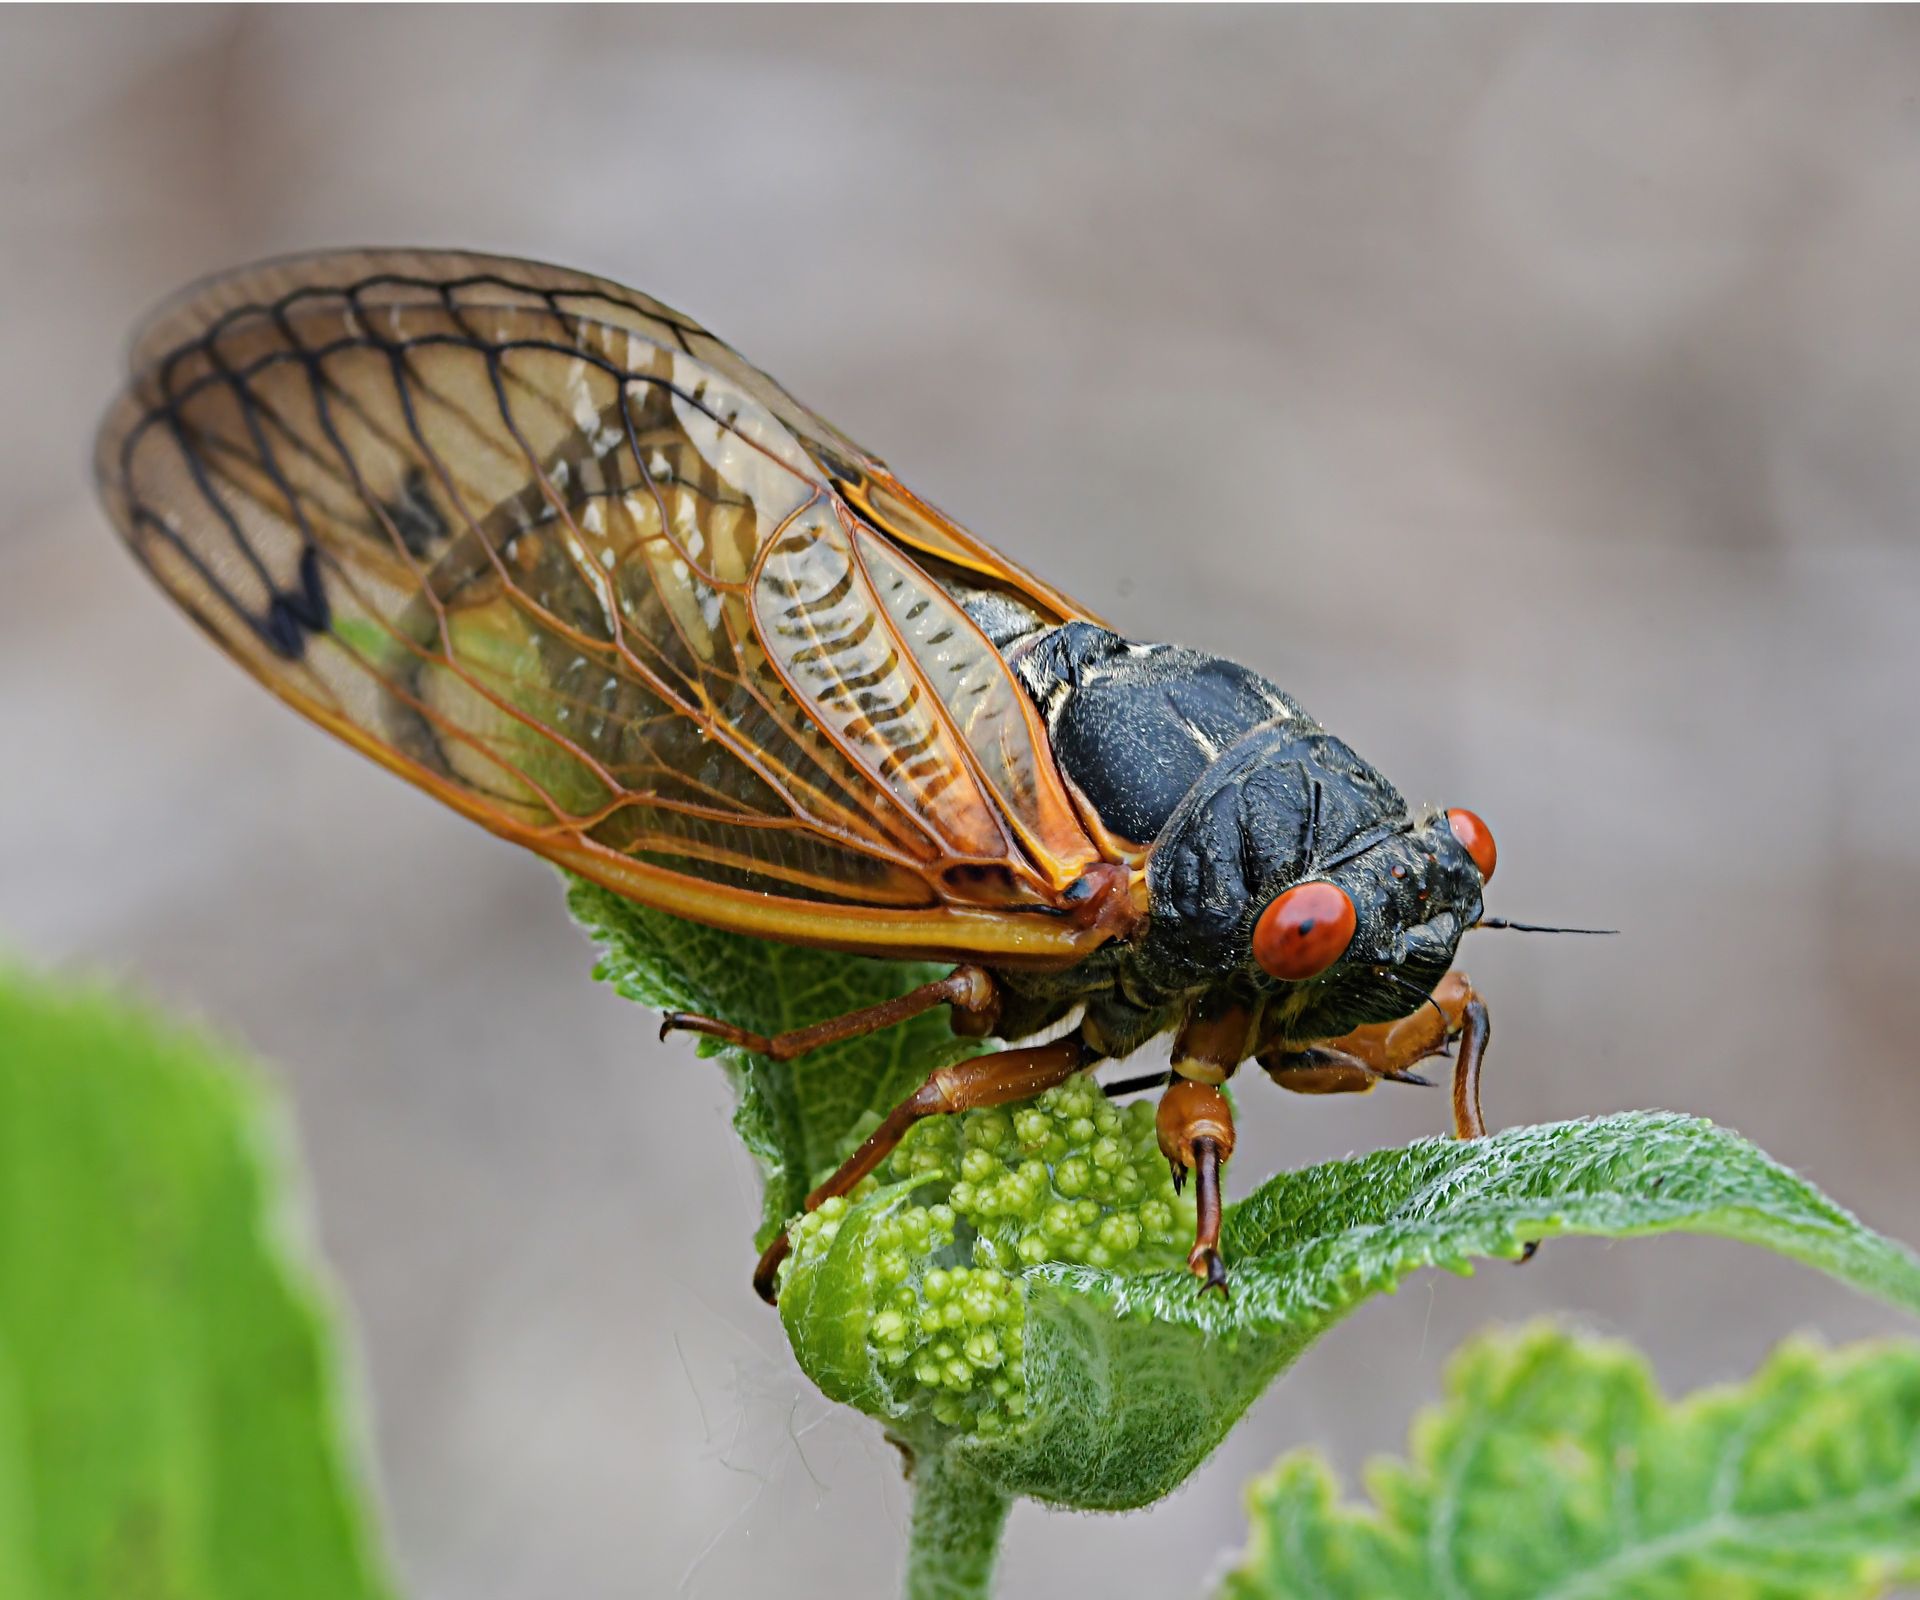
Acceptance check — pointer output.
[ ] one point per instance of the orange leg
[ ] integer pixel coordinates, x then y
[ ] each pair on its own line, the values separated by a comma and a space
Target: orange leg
1356, 1061
1394, 1046
971, 992
1475, 1027
993, 1080
1321, 1069
1195, 1125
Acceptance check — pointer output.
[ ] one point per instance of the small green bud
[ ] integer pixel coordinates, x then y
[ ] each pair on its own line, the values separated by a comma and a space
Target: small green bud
989, 1130
1058, 1222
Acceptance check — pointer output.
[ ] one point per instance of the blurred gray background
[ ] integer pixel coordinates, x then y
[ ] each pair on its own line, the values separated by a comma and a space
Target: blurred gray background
1535, 394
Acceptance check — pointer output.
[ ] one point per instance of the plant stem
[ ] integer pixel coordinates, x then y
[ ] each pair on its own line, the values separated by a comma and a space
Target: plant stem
958, 1518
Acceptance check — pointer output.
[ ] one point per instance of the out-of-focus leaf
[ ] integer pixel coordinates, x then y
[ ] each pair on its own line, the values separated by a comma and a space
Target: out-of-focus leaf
1555, 1469
171, 1399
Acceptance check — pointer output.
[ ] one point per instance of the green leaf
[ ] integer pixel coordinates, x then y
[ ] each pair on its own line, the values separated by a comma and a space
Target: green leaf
1555, 1469
170, 1395
799, 1118
1010, 1294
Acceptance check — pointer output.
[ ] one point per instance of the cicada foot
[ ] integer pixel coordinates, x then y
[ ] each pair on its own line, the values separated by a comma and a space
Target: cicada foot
995, 1080
766, 1271
970, 990
1206, 1264
1195, 1129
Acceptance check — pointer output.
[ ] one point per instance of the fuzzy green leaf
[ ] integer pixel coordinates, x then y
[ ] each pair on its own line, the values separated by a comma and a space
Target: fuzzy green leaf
1555, 1469
798, 1118
1010, 1292
170, 1398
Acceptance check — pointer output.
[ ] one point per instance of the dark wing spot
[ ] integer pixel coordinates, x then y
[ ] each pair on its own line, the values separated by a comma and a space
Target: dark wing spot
414, 515
294, 613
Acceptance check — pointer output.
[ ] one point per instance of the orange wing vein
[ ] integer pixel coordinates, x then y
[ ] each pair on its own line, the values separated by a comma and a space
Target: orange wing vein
557, 555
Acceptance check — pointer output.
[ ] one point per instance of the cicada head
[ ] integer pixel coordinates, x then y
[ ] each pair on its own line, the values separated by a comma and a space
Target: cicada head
1295, 871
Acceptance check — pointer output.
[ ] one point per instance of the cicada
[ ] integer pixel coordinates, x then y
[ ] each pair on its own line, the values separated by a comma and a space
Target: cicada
554, 553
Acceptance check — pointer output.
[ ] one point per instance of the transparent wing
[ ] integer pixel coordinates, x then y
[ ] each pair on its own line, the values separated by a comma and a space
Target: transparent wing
559, 556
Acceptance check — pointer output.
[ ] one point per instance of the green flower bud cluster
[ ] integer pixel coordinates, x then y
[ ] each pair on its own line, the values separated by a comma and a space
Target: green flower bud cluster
1066, 1177
941, 1331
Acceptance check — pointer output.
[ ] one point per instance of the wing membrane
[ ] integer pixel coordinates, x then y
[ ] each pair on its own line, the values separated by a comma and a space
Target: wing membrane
558, 555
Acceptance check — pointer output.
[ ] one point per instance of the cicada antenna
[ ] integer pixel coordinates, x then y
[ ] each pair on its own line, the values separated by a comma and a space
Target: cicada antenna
1537, 927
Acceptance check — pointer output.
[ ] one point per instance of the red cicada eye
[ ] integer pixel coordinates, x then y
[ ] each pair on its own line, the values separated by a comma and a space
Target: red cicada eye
1476, 838
1304, 931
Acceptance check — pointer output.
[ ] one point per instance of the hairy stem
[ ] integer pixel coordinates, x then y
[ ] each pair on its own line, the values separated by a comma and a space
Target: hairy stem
958, 1518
